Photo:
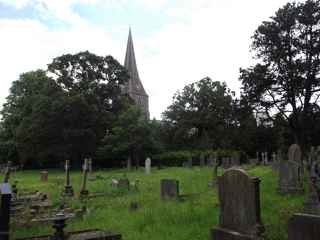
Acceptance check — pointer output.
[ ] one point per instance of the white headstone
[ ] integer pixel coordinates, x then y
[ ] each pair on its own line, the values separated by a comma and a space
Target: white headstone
148, 166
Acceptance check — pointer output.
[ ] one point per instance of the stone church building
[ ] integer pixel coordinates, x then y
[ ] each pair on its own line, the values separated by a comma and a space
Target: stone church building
134, 87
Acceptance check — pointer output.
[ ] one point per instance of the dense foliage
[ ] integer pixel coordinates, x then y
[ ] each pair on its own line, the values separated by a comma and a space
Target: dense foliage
286, 78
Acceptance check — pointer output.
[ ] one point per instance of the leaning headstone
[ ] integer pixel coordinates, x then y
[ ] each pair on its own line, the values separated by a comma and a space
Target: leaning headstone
44, 176
169, 189
239, 197
148, 166
304, 227
5, 200
83, 190
68, 190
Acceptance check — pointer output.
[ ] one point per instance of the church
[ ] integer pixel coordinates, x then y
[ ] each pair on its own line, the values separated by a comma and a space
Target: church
134, 87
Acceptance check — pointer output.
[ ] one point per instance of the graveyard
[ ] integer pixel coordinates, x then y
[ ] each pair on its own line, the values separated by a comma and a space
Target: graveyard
190, 218
214, 135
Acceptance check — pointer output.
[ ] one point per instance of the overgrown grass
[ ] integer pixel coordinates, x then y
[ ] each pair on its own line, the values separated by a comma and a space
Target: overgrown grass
156, 219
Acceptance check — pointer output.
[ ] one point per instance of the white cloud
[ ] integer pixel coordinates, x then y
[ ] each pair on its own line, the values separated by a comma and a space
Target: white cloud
206, 38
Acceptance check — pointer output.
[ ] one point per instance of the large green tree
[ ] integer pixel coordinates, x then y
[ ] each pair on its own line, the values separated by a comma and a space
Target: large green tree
286, 79
201, 115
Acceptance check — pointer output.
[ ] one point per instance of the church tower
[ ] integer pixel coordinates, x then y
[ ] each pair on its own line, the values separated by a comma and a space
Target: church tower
134, 87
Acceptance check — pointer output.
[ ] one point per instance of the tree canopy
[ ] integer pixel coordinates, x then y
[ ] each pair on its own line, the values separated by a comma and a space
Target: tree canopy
286, 78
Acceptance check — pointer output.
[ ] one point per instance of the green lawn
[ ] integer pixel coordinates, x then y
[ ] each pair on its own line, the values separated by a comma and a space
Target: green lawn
156, 219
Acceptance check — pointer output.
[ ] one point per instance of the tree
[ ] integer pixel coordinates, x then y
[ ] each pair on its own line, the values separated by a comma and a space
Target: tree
202, 114
131, 136
286, 79
97, 79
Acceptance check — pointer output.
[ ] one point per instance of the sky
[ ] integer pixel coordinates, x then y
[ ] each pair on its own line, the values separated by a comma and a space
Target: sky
176, 42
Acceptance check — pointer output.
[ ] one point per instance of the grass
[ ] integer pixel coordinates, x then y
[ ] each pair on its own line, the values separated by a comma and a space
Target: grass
156, 219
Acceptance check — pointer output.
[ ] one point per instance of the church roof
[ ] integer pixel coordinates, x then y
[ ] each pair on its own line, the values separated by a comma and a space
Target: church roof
134, 84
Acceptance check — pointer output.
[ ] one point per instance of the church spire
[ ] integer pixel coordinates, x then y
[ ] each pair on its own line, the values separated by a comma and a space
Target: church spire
134, 86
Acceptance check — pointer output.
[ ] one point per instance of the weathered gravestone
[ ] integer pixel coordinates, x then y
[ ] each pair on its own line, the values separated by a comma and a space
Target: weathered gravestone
189, 162
210, 162
169, 189
235, 160
44, 176
226, 162
290, 172
239, 198
275, 162
213, 182
83, 190
148, 166
304, 227
5, 200
312, 202
68, 190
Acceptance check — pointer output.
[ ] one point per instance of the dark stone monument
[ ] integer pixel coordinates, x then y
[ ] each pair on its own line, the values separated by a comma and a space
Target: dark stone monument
169, 189
83, 191
68, 190
5, 200
202, 160
304, 227
239, 197
235, 160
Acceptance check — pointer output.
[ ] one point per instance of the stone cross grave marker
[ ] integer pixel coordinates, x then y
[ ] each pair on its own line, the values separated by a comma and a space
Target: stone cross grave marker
83, 191
304, 227
5, 200
148, 166
68, 190
169, 189
239, 197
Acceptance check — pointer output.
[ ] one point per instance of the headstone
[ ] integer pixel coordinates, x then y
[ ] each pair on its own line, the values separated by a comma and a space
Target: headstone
235, 160
148, 166
83, 191
190, 162
258, 157
5, 200
304, 227
213, 182
312, 203
123, 183
294, 153
210, 161
7, 172
44, 176
169, 189
202, 160
90, 165
68, 190
275, 162
239, 197
129, 163
290, 177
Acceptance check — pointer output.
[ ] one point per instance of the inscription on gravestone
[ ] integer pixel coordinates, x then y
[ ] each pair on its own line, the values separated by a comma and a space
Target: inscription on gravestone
239, 198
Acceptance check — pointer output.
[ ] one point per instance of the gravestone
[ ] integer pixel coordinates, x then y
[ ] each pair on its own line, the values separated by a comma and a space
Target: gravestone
169, 189
312, 202
275, 162
123, 183
290, 177
290, 172
44, 176
304, 227
210, 162
189, 163
148, 166
235, 160
68, 190
202, 160
129, 163
90, 165
83, 191
294, 153
213, 182
5, 200
239, 197
7, 172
